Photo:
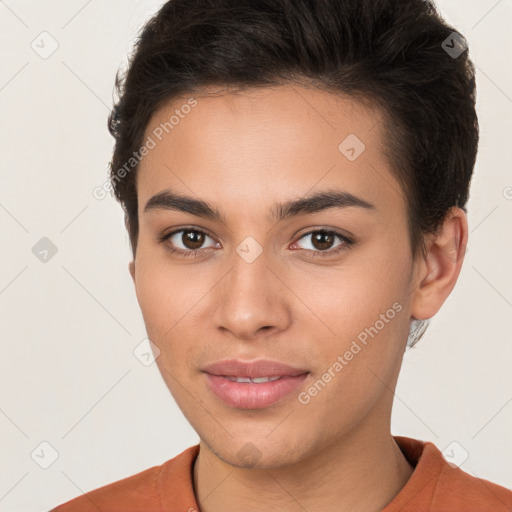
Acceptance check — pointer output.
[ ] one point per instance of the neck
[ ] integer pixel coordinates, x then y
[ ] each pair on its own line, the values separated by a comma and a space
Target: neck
361, 472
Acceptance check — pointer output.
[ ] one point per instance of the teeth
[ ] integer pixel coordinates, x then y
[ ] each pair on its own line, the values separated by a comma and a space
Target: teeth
257, 380
242, 379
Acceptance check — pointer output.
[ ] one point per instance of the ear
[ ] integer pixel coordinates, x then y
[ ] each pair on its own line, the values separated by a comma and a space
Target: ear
438, 271
131, 268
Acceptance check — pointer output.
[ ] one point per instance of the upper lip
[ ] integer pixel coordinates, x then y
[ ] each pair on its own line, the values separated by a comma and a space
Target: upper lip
252, 369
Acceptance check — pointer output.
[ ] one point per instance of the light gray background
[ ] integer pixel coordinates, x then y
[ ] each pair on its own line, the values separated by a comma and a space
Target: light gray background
68, 375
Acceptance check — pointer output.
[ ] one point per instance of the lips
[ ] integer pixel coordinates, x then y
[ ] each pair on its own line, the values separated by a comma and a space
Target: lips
253, 385
253, 369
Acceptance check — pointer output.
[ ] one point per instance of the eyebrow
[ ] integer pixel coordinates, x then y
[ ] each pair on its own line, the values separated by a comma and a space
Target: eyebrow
314, 203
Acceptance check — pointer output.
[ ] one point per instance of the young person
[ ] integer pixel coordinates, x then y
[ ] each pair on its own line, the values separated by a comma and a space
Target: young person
294, 175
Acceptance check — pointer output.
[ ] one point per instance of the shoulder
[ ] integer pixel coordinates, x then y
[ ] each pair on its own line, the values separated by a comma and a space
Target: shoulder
440, 486
137, 492
462, 489
122, 495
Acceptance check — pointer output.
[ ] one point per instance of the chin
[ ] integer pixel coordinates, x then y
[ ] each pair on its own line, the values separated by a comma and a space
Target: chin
257, 454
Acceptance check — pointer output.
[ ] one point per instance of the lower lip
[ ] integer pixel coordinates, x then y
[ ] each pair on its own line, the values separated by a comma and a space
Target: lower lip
249, 395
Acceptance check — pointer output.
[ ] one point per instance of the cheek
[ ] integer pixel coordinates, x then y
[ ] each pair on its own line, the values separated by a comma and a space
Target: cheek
164, 291
365, 309
365, 306
169, 298
158, 298
350, 298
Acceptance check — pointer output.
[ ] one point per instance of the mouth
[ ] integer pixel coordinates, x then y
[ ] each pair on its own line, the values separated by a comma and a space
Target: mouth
253, 384
257, 380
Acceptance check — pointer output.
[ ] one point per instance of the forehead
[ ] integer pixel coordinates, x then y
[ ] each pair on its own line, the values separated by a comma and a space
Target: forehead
288, 109
272, 143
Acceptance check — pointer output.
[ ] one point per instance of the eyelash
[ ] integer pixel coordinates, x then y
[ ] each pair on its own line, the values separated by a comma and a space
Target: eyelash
347, 243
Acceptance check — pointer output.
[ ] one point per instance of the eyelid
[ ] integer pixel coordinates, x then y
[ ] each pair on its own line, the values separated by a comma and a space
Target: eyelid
173, 231
340, 232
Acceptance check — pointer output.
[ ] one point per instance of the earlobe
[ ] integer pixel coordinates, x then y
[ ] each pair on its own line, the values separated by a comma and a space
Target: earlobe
440, 268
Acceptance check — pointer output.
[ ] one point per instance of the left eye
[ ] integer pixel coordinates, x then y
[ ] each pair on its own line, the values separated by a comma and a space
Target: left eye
323, 240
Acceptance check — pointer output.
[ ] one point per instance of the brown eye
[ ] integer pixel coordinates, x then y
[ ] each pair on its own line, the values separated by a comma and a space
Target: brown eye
323, 240
192, 239
187, 242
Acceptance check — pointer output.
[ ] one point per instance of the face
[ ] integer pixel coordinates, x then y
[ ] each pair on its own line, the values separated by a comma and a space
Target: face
251, 269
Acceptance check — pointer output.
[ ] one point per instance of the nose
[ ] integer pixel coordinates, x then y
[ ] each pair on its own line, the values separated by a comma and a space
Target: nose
251, 302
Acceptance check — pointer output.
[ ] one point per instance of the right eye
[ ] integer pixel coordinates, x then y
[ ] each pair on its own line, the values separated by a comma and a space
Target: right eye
186, 242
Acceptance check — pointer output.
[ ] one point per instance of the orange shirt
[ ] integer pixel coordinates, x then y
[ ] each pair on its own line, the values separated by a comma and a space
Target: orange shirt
434, 486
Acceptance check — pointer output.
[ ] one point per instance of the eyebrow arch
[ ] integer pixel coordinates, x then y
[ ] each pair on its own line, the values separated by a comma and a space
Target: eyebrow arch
314, 203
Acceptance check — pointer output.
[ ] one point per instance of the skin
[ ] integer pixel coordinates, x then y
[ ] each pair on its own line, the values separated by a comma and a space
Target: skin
243, 152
